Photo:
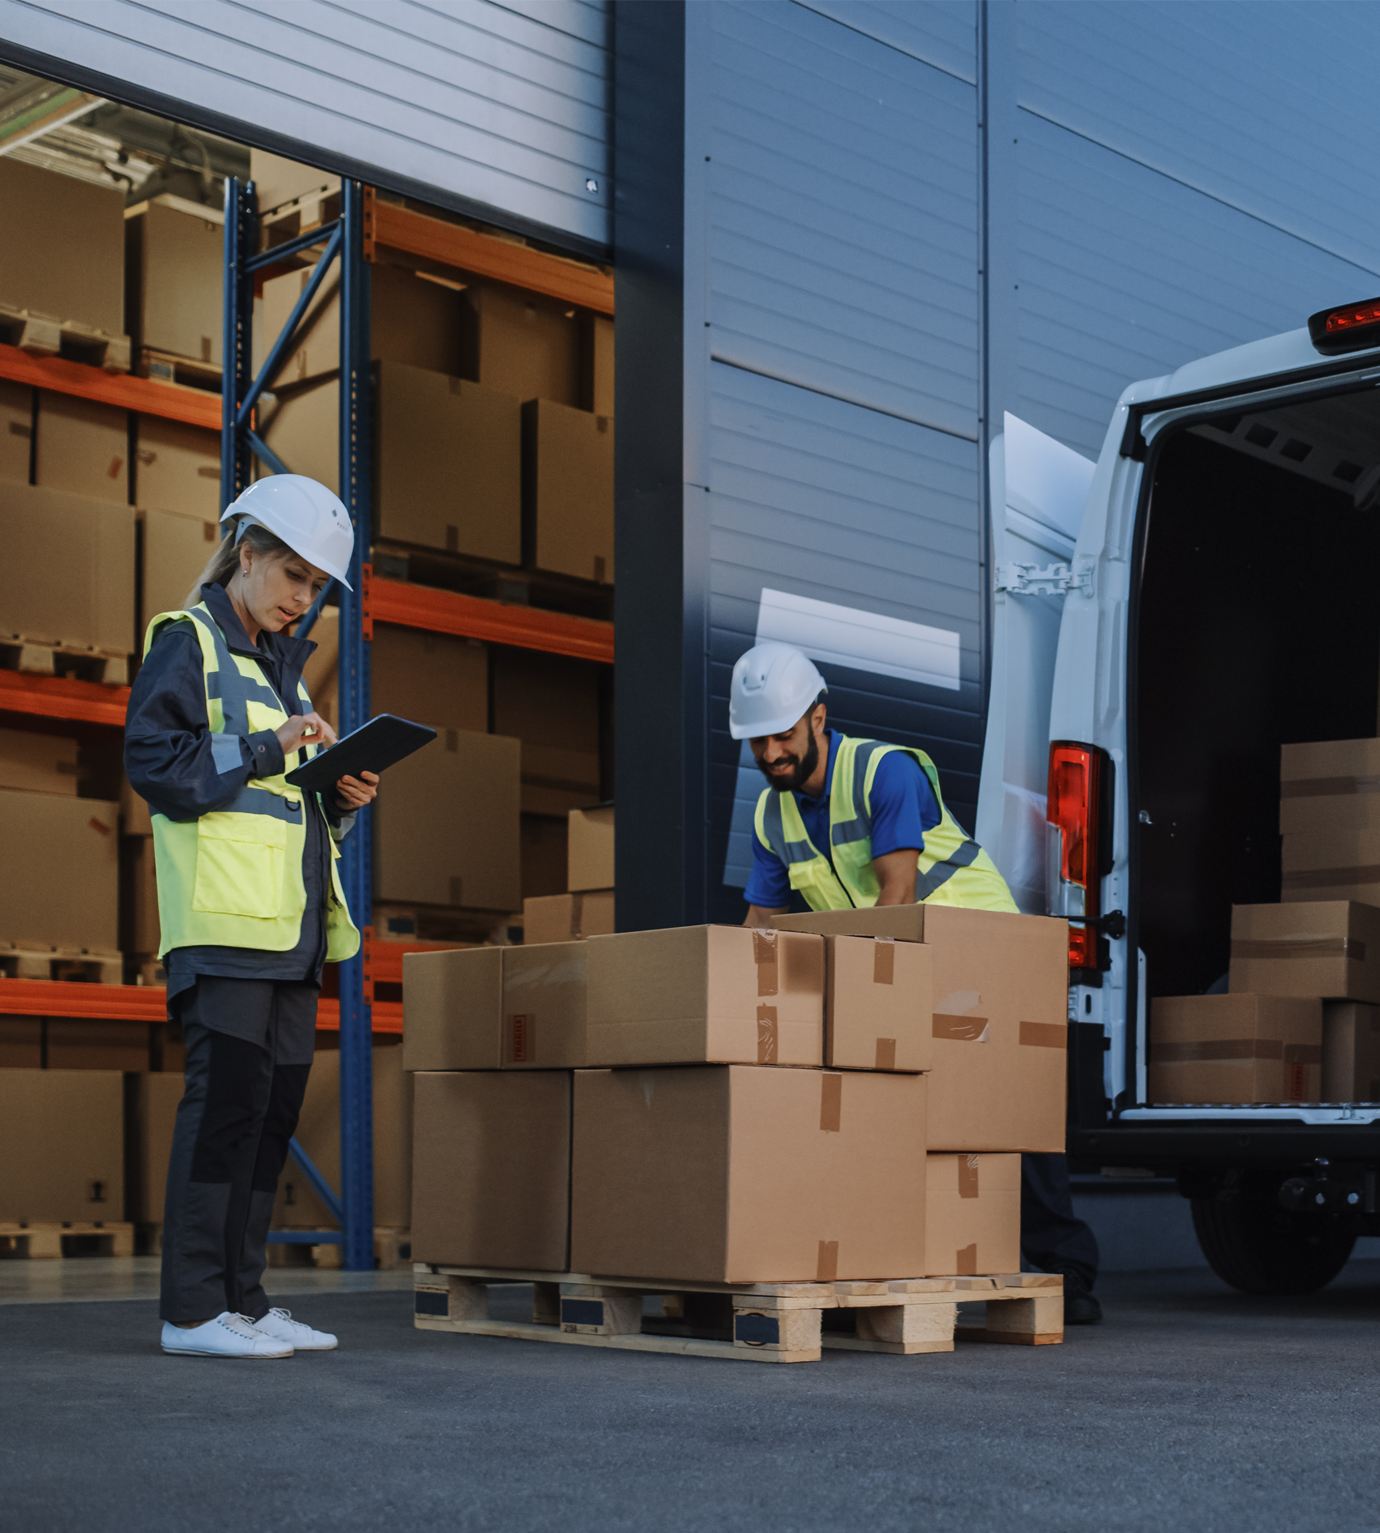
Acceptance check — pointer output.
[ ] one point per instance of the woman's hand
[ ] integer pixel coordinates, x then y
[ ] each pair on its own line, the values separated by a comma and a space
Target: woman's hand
351, 793
308, 727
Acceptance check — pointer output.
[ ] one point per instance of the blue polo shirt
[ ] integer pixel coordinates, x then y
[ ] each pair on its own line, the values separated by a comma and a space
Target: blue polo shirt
903, 809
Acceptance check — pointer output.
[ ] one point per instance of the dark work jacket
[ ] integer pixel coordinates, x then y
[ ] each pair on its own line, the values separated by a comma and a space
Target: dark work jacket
169, 761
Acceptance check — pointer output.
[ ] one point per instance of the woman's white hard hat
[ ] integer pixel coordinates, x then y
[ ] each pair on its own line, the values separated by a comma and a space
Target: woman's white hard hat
773, 687
308, 517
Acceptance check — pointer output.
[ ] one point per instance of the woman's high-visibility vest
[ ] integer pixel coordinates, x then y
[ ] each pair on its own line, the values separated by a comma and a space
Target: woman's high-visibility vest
233, 877
953, 868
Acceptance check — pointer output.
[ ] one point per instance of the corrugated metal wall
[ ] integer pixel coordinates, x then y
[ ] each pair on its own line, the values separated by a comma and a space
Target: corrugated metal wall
503, 106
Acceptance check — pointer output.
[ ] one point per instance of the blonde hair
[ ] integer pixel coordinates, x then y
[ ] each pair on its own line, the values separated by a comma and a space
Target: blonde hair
226, 560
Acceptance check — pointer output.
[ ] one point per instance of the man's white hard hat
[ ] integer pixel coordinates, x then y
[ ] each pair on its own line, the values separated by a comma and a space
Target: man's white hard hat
774, 686
308, 517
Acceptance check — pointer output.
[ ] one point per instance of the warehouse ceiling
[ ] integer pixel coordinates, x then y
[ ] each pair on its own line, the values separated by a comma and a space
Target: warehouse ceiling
71, 131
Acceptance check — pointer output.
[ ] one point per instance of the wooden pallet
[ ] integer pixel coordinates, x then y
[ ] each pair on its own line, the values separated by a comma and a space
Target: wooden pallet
44, 335
300, 216
35, 960
185, 372
54, 657
392, 1250
39, 1241
748, 1322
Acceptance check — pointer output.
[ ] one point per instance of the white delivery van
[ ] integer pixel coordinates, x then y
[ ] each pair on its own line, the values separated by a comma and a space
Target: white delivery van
1165, 620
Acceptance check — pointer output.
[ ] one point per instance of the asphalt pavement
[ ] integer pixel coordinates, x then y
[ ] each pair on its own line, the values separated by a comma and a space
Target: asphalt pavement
1192, 1408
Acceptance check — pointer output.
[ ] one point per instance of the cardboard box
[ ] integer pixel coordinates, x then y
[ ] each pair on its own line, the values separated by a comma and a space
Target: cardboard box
568, 917
278, 180
1351, 1052
82, 447
38, 763
1329, 786
523, 344
175, 278
302, 425
175, 549
75, 584
544, 854
544, 1006
568, 489
878, 1004
446, 831
599, 340
590, 849
21, 1043
1235, 1048
318, 1132
1329, 948
972, 1214
62, 1144
135, 816
177, 468
706, 994
67, 849
491, 1170
62, 246
1000, 1023
151, 1102
432, 678
1331, 865
16, 430
145, 930
414, 320
82, 1043
453, 1009
735, 1174
551, 704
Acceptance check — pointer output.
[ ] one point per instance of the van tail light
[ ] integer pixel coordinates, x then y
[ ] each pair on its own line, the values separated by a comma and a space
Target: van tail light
1080, 845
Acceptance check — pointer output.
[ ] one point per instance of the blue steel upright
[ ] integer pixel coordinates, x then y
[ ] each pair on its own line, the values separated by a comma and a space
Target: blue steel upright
241, 225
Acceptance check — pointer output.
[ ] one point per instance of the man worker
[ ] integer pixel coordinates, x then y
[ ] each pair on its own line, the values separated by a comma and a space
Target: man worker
846, 822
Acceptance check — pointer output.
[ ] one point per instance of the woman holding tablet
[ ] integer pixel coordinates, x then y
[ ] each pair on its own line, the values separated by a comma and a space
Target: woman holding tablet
249, 900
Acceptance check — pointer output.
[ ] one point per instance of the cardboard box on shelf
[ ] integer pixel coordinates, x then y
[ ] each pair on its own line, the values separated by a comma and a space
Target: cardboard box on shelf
447, 830
878, 1004
82, 447
16, 430
62, 1145
1235, 1048
544, 1006
1331, 865
551, 704
21, 1043
453, 1009
739, 1174
144, 927
75, 270
75, 584
38, 763
151, 1101
1351, 1052
79, 1043
706, 994
568, 489
522, 344
318, 1131
1329, 787
68, 850
135, 815
568, 917
302, 425
174, 278
175, 550
1329, 948
321, 673
177, 468
544, 855
599, 362
491, 1169
590, 849
972, 1214
431, 678
1000, 1024
278, 180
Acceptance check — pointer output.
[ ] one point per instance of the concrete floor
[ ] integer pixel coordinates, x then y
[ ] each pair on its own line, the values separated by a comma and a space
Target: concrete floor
1192, 1408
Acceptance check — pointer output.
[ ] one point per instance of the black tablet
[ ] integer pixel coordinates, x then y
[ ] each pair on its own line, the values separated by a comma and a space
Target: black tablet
378, 745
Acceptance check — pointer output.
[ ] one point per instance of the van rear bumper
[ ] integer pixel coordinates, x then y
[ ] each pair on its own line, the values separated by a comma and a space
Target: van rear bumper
1168, 1147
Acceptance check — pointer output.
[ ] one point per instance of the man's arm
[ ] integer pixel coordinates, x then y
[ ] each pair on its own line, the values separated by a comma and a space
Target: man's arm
760, 915
896, 873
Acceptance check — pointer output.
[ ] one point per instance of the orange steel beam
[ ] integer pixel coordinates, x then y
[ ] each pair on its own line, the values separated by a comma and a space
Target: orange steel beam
471, 617
124, 390
435, 240
63, 697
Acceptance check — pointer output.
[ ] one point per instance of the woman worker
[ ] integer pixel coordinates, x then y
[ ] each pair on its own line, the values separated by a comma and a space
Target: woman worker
249, 900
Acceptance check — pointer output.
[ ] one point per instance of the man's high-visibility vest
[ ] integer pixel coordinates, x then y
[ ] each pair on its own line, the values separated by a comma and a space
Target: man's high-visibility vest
953, 868
233, 877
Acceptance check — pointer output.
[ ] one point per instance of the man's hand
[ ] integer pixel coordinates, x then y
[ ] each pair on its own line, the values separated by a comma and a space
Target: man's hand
896, 873
308, 727
351, 793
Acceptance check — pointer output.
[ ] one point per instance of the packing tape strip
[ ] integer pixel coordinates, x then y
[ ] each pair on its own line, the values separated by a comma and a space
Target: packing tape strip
1327, 878
967, 1176
827, 1267
830, 1102
764, 956
1298, 947
963, 1029
965, 1261
886, 1054
1328, 787
1045, 1035
883, 960
766, 1035
1218, 1048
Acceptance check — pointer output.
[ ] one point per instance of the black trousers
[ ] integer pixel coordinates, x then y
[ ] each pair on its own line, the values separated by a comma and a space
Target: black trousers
1053, 1237
239, 1110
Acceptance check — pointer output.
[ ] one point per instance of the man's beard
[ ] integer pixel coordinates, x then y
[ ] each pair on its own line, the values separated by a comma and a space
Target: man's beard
800, 773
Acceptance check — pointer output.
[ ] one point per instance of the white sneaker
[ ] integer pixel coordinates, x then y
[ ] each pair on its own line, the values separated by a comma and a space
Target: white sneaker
279, 1324
228, 1335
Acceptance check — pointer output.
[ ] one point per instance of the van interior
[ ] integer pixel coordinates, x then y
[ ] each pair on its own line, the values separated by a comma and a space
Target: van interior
1258, 625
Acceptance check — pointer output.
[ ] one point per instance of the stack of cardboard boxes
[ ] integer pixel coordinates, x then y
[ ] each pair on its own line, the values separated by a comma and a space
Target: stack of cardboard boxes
586, 908
1301, 1021
844, 1096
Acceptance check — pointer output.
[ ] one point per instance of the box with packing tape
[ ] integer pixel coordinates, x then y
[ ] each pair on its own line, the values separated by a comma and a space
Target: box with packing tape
1235, 1048
62, 1145
1325, 948
590, 849
567, 917
1331, 865
972, 1214
1351, 1052
1329, 787
878, 1004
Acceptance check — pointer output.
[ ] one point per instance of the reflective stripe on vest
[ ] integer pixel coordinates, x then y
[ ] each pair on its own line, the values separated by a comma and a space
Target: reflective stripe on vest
233, 877
952, 869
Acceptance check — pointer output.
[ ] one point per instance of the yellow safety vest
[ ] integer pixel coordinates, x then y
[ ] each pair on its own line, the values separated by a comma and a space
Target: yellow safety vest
953, 868
233, 877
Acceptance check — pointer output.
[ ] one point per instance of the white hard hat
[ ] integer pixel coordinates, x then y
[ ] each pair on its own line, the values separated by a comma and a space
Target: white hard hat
774, 686
308, 517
